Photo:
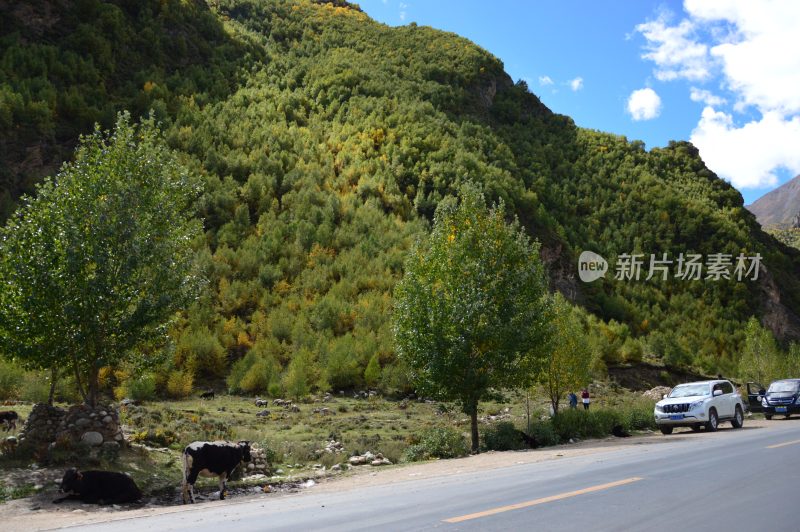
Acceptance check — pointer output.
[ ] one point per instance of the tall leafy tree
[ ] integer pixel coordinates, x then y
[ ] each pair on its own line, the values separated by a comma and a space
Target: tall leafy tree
471, 309
760, 360
568, 361
100, 259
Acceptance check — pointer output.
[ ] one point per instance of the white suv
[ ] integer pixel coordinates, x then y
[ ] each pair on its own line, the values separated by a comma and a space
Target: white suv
700, 404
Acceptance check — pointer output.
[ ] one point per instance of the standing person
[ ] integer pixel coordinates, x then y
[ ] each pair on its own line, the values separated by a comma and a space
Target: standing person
585, 398
573, 400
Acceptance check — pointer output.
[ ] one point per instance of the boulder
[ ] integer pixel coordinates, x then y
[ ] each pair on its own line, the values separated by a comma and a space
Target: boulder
92, 438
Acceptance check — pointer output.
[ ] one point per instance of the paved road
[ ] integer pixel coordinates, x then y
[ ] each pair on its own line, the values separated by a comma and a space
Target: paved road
733, 480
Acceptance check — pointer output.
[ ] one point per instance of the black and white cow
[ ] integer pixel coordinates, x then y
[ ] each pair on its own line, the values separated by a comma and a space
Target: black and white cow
9, 419
218, 458
98, 487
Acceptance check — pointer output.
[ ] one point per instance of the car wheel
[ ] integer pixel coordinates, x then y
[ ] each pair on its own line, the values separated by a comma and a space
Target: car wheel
768, 416
666, 430
713, 420
738, 418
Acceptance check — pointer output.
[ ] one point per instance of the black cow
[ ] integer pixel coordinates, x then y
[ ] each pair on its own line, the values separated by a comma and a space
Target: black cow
207, 395
98, 487
212, 458
9, 419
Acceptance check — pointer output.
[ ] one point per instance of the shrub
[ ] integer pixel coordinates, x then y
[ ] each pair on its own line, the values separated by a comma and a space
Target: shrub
138, 388
438, 442
373, 372
502, 436
545, 433
179, 384
639, 416
10, 377
581, 424
34, 388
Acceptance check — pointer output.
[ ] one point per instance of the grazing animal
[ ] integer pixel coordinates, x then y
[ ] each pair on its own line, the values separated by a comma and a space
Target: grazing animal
261, 402
207, 395
530, 440
218, 458
619, 431
9, 419
98, 487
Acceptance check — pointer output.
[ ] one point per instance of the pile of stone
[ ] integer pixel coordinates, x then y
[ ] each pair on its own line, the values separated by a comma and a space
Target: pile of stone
657, 393
41, 426
263, 413
323, 411
52, 427
332, 447
258, 464
369, 458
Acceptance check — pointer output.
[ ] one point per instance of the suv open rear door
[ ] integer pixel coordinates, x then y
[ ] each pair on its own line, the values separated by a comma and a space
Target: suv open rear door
755, 392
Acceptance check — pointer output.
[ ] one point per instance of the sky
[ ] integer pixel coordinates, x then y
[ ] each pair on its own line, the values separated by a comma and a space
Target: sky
724, 74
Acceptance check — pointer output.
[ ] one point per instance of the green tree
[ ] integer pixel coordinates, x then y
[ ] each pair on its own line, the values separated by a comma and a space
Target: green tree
471, 309
567, 363
97, 263
760, 361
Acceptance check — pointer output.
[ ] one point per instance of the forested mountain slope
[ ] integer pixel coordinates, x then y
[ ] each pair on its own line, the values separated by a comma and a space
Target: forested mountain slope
325, 141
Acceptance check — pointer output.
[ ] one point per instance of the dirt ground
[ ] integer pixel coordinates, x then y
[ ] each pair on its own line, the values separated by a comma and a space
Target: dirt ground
39, 513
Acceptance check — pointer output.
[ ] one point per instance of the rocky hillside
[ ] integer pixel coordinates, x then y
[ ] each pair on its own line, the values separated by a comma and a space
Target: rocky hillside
779, 207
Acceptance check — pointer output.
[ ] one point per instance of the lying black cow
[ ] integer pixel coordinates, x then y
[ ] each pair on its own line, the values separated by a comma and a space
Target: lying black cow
212, 458
98, 487
9, 419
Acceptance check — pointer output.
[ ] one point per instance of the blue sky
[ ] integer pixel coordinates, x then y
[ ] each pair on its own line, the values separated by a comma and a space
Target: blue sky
725, 75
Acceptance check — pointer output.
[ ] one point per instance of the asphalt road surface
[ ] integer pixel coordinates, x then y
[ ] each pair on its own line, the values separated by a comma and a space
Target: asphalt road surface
733, 480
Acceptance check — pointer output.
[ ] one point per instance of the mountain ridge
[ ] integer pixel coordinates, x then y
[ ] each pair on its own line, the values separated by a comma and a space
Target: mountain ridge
779, 207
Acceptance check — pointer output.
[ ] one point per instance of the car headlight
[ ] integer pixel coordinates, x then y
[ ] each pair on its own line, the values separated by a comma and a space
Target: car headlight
696, 404
764, 402
659, 408
797, 400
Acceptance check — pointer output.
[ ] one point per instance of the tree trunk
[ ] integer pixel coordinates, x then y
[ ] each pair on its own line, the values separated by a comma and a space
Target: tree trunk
53, 379
472, 410
528, 409
93, 386
81, 390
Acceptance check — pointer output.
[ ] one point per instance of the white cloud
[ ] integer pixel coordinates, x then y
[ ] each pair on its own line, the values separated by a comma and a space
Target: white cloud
675, 51
706, 96
644, 104
545, 81
760, 60
750, 48
748, 155
403, 8
576, 84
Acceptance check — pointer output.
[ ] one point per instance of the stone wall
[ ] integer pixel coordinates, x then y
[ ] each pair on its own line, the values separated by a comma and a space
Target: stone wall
258, 464
51, 427
41, 426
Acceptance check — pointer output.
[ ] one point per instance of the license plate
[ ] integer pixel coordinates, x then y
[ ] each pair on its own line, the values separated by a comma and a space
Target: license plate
676, 417
780, 409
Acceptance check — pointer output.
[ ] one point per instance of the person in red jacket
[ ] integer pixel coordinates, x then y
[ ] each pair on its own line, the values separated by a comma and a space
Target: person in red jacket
585, 398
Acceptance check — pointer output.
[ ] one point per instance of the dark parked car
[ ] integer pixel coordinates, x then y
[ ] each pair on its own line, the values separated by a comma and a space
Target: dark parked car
782, 398
755, 393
